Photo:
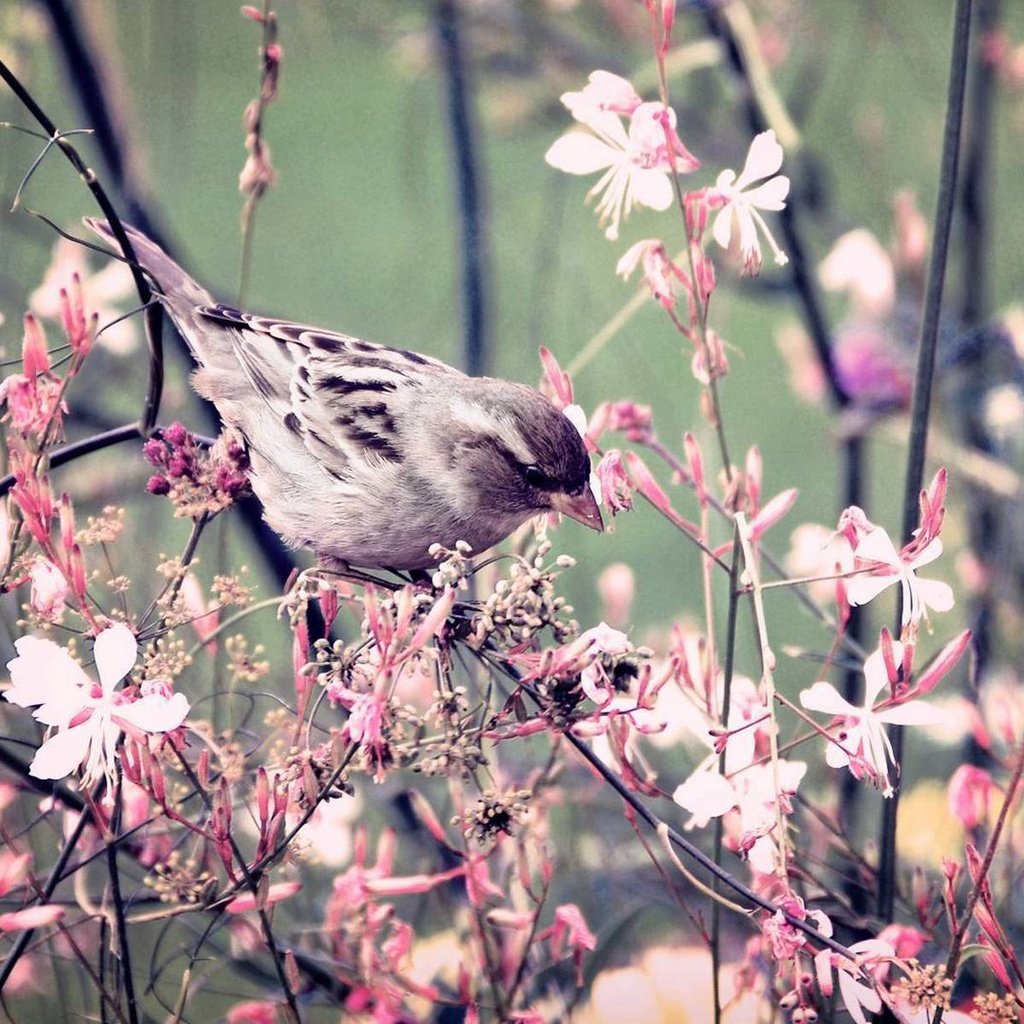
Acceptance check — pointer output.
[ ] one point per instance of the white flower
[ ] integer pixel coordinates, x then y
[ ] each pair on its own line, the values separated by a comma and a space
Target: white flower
852, 974
875, 546
862, 744
636, 164
88, 717
858, 264
741, 207
598, 641
603, 91
49, 590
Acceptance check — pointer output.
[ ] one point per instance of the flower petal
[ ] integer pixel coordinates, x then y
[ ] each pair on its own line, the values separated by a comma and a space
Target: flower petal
914, 712
769, 196
721, 227
154, 713
835, 756
115, 651
876, 546
579, 152
824, 697
61, 754
706, 795
936, 594
931, 551
44, 673
764, 158
856, 996
862, 589
651, 188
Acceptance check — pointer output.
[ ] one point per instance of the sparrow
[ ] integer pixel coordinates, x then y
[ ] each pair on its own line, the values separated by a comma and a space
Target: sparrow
367, 454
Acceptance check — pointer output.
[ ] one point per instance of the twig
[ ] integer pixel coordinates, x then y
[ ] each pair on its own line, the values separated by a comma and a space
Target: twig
475, 341
154, 312
956, 947
120, 927
789, 218
923, 385
977, 178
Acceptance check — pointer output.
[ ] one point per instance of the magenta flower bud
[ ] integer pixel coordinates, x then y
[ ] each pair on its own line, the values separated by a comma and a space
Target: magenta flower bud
176, 434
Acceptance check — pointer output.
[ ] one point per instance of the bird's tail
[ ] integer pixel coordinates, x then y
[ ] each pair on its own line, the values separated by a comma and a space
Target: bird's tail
179, 293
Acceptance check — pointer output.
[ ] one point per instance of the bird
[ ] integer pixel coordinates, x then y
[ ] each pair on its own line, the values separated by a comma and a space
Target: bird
369, 455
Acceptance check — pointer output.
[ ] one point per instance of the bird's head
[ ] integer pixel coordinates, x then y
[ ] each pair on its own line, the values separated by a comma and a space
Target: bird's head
520, 455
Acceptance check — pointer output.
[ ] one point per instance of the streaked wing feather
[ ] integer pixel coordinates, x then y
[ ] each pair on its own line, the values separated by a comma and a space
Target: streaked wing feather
336, 392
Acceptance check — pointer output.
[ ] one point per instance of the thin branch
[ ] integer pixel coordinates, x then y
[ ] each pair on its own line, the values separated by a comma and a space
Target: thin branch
722, 28
475, 341
923, 384
120, 927
154, 312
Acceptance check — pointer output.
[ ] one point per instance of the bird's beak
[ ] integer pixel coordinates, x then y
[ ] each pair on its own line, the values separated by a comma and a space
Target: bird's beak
581, 507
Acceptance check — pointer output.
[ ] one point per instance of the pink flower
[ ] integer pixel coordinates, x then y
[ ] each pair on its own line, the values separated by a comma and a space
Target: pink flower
603, 92
31, 917
859, 265
275, 894
87, 717
861, 743
253, 1011
617, 587
707, 794
636, 162
633, 419
873, 366
855, 994
13, 869
658, 269
599, 641
616, 489
33, 397
49, 590
818, 551
740, 203
785, 939
970, 794
101, 292
875, 550
570, 933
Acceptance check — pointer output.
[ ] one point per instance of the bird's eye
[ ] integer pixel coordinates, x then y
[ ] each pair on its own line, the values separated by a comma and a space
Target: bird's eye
534, 477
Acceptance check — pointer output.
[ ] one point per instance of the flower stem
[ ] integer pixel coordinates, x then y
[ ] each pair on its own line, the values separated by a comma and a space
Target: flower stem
923, 384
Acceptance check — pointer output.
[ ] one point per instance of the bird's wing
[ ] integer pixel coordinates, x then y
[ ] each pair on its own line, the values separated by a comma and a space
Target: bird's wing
340, 394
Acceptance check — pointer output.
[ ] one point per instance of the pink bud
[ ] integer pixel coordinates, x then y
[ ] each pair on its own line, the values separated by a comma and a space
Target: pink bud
300, 656
76, 565
434, 622
775, 510
943, 662
67, 523
996, 964
970, 792
275, 894
328, 598
13, 868
253, 13
696, 462
30, 917
424, 813
262, 795
646, 484
34, 356
617, 586
556, 379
